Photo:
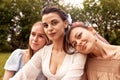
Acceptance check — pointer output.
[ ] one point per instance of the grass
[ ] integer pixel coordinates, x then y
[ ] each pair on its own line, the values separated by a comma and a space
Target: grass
3, 58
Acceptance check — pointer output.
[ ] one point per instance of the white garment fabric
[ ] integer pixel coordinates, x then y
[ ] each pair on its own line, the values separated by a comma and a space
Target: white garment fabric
72, 67
15, 63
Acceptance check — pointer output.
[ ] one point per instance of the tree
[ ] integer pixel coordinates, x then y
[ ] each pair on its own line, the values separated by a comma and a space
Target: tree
4, 23
17, 16
105, 14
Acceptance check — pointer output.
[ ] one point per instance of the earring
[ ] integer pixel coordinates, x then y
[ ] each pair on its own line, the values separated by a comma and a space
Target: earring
96, 36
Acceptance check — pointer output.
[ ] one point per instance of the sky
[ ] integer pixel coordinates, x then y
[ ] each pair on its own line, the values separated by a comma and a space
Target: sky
74, 2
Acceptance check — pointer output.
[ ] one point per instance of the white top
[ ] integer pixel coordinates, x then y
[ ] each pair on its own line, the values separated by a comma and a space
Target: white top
15, 63
71, 68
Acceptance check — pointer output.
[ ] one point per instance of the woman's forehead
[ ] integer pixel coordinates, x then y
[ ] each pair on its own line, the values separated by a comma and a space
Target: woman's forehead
53, 14
72, 33
75, 30
49, 17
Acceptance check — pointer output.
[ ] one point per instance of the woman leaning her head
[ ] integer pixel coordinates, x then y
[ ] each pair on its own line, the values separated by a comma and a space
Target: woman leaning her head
80, 34
102, 56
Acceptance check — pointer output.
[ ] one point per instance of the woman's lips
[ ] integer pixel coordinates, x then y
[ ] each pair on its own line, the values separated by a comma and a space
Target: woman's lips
51, 34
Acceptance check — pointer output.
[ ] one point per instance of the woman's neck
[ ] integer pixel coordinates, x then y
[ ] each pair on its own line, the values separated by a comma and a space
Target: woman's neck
103, 50
58, 47
58, 44
34, 51
26, 56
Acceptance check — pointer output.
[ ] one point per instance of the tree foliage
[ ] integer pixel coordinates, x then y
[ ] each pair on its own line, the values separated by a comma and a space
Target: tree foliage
17, 17
105, 14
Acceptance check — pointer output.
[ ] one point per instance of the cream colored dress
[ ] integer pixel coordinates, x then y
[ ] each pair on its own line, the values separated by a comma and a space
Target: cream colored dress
102, 69
71, 68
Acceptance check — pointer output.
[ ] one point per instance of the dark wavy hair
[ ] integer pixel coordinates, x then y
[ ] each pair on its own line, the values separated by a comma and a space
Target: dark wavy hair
63, 16
54, 9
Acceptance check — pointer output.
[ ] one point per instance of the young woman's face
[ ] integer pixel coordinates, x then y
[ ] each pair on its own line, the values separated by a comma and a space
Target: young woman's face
37, 37
82, 40
54, 26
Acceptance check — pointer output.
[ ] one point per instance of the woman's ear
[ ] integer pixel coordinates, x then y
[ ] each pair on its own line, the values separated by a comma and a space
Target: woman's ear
66, 23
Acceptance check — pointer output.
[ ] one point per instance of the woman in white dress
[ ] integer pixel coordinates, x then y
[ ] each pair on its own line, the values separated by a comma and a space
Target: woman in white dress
52, 60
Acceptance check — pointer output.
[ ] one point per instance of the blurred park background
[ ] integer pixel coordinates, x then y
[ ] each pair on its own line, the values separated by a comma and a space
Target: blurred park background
17, 17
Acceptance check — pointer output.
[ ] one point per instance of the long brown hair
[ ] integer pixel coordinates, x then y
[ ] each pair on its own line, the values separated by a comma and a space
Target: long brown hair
60, 12
30, 50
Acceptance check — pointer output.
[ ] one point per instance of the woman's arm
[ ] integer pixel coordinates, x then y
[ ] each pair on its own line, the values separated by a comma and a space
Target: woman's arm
30, 70
8, 74
12, 64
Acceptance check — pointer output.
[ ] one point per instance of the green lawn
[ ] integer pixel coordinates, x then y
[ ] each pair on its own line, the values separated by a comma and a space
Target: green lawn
3, 58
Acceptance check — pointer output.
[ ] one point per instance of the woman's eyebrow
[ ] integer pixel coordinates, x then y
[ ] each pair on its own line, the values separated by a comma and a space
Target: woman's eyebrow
53, 20
76, 35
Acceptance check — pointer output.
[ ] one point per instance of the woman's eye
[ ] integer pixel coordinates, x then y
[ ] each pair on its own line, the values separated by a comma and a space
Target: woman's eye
33, 34
79, 35
54, 23
45, 25
41, 36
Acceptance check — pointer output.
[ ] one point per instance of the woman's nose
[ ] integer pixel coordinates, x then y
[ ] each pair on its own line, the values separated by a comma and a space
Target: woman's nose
79, 42
50, 27
35, 38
